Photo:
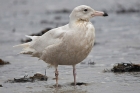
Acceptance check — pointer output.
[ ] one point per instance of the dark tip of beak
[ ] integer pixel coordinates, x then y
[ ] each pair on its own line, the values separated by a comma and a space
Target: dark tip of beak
105, 14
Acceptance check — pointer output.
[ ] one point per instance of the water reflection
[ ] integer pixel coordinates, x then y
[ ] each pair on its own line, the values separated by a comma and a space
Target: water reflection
69, 91
64, 90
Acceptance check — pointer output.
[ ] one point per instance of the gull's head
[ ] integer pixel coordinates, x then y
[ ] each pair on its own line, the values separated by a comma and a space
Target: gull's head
84, 12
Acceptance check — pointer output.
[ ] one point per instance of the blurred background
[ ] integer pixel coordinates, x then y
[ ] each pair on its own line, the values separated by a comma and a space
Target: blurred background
117, 40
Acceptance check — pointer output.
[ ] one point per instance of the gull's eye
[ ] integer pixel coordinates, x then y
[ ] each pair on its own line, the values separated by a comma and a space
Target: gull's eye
85, 10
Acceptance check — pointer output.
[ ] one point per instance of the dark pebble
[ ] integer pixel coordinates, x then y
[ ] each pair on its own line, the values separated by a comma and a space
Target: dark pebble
2, 62
79, 83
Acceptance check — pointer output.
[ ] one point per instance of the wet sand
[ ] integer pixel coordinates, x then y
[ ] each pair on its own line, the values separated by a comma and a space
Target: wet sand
117, 40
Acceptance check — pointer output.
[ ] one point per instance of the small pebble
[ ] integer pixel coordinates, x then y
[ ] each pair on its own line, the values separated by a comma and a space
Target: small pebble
1, 85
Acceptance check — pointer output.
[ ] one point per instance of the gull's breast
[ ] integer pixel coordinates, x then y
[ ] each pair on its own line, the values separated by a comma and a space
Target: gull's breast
76, 47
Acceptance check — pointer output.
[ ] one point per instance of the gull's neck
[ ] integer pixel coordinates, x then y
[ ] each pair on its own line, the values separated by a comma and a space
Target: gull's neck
78, 22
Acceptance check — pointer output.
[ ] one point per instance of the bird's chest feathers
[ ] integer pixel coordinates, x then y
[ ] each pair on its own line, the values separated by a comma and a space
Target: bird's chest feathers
82, 37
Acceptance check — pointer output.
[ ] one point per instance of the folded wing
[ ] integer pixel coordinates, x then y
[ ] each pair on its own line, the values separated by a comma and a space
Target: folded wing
39, 43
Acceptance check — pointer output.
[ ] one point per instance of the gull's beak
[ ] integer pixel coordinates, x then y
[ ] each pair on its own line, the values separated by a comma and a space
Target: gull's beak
99, 13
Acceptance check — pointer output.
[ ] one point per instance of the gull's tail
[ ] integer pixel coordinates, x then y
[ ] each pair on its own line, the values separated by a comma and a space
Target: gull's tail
27, 46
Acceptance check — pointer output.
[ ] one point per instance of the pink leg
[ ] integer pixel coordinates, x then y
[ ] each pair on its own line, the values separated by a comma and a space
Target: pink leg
74, 75
56, 76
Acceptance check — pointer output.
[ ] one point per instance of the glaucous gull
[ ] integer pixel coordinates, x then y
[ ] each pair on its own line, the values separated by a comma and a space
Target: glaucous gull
68, 44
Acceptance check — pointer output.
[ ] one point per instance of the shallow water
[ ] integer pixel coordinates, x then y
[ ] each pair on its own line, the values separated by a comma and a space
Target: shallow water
117, 40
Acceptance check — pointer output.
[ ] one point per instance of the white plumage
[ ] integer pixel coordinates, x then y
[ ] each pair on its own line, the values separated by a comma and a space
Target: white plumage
68, 44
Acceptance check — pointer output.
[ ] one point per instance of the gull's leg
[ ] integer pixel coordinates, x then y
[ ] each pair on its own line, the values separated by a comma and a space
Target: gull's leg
56, 76
74, 74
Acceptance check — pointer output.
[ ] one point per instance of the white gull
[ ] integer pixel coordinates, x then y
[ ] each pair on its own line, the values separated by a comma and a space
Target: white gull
68, 44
